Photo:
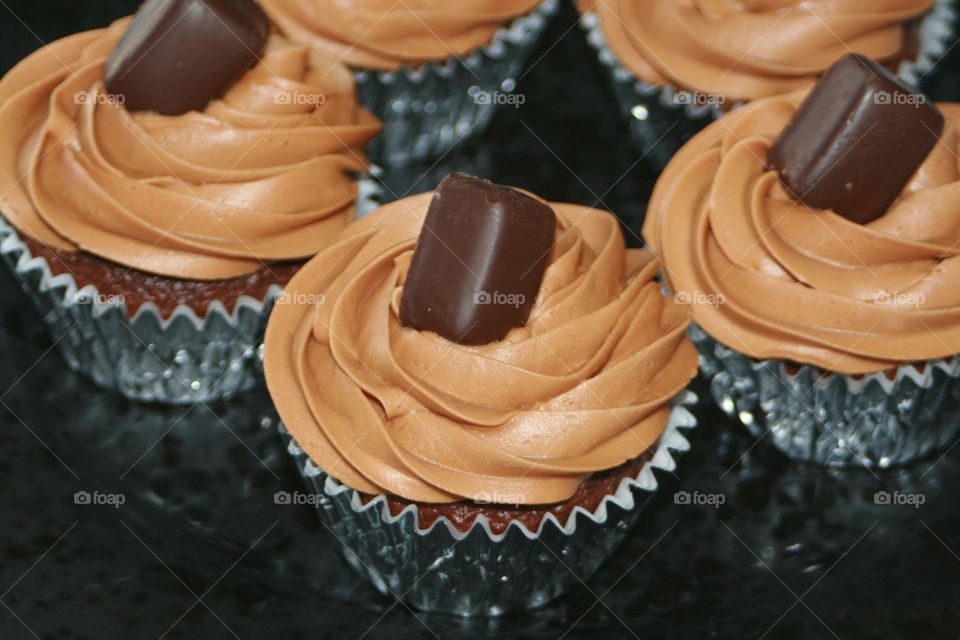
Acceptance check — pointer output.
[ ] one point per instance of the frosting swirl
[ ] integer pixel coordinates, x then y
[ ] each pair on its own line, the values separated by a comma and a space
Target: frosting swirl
385, 34
747, 49
383, 408
772, 279
260, 175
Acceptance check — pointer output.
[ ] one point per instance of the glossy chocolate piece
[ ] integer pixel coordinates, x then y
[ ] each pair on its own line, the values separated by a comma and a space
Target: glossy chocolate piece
178, 55
479, 261
855, 141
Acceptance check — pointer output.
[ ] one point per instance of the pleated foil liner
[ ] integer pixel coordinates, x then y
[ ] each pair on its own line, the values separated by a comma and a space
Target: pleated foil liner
428, 109
663, 118
833, 419
183, 359
479, 572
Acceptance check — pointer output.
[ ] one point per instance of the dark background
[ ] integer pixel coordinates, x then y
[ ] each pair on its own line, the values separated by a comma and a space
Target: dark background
200, 550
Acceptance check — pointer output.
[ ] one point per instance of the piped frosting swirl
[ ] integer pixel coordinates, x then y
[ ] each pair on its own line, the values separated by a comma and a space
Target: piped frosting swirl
385, 34
583, 387
261, 175
775, 280
748, 49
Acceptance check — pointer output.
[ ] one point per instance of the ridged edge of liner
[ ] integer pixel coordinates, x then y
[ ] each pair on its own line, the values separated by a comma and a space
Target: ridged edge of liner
670, 440
823, 379
26, 263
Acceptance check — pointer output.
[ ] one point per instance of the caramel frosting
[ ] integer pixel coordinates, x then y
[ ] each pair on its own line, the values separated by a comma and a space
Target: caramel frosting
261, 175
747, 49
773, 279
583, 387
385, 34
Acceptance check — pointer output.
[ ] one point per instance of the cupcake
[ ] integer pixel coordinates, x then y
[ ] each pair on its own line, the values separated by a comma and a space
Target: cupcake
815, 237
483, 450
154, 244
678, 65
432, 71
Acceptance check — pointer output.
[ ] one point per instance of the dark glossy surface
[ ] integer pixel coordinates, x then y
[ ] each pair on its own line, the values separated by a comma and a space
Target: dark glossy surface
793, 551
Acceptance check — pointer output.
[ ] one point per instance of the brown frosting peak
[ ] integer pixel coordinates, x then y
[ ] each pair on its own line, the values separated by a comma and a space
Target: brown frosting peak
585, 386
385, 34
772, 279
261, 175
749, 49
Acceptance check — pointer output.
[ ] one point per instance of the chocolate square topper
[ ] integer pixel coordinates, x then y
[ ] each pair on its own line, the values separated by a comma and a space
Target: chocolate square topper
479, 261
178, 55
856, 140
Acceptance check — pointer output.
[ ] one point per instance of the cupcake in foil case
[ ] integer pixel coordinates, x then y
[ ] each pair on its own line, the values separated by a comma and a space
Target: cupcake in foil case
835, 341
176, 357
488, 475
179, 358
432, 89
154, 245
479, 572
663, 116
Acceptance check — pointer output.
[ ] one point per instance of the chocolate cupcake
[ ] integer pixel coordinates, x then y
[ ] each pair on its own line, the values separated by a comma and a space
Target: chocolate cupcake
818, 247
432, 71
676, 66
153, 243
508, 427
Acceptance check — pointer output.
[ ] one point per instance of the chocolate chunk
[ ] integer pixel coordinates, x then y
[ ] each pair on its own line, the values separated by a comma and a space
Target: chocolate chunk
855, 141
178, 55
479, 261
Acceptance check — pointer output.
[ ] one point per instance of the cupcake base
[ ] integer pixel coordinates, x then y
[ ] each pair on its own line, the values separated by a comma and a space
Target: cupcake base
877, 420
170, 353
429, 109
151, 338
480, 568
136, 288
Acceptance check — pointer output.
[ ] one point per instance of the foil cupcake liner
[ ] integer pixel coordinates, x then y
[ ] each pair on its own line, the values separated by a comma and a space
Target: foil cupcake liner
427, 110
184, 358
663, 118
480, 572
832, 419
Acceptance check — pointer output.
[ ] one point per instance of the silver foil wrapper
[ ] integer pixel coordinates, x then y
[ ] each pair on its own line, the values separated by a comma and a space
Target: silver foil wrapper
428, 109
478, 572
183, 359
833, 419
663, 118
